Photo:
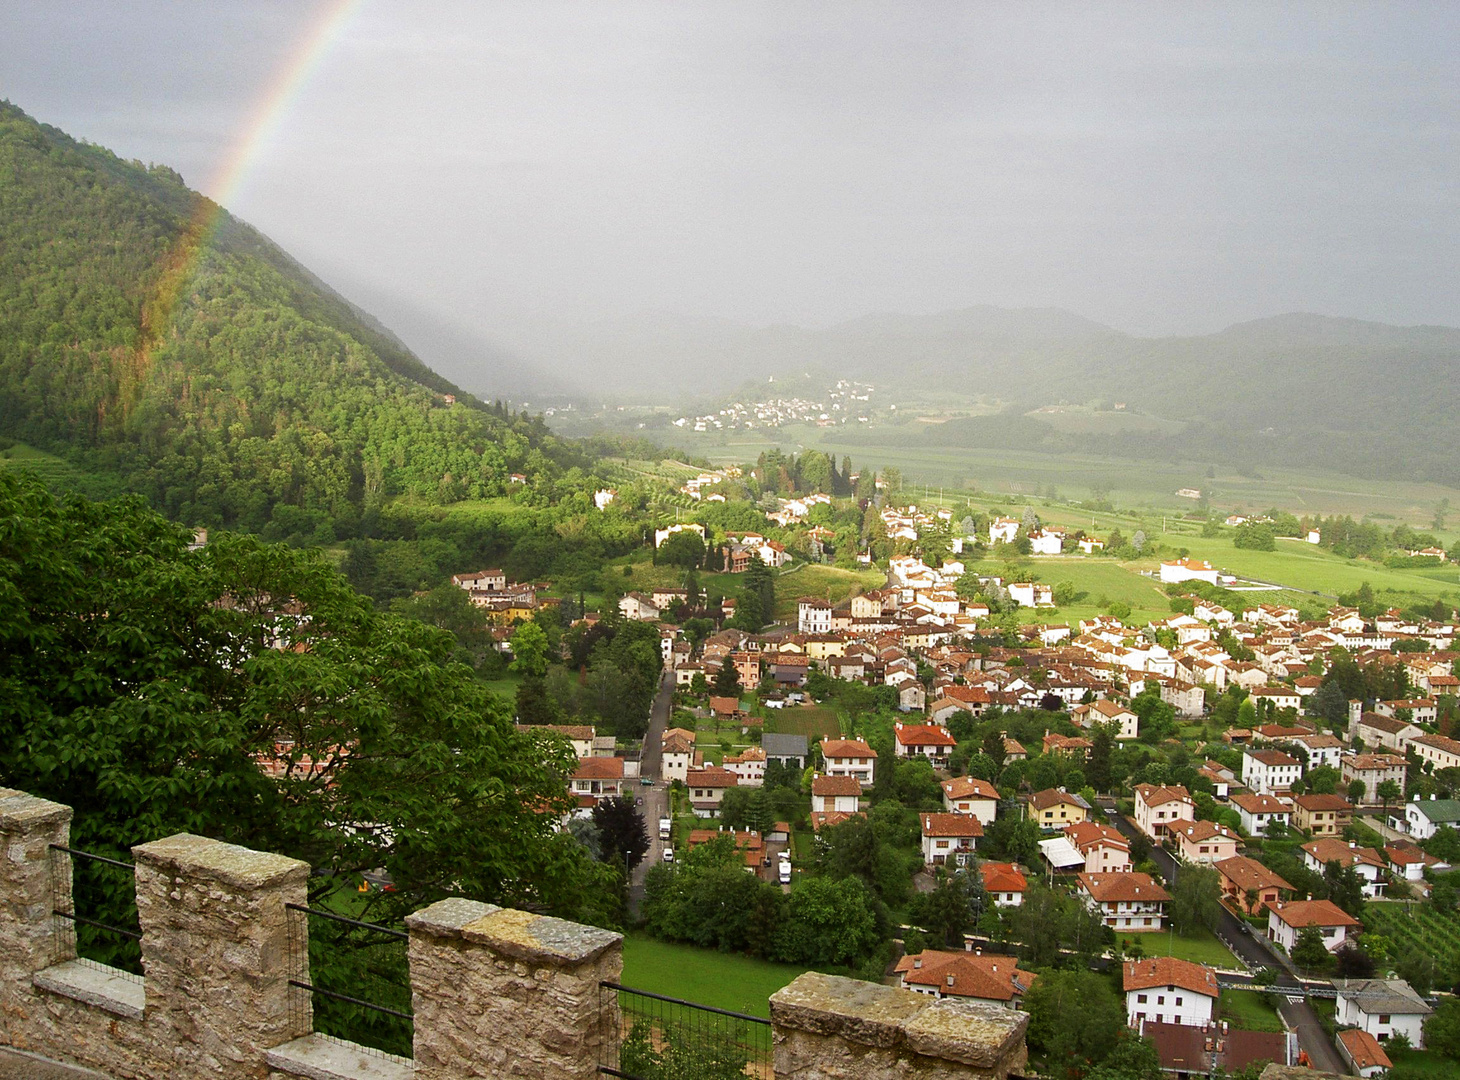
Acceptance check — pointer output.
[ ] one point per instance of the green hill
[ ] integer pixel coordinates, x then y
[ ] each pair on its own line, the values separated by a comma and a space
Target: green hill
205, 368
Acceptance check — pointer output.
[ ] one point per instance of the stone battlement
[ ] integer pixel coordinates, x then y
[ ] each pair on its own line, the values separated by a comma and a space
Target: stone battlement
496, 992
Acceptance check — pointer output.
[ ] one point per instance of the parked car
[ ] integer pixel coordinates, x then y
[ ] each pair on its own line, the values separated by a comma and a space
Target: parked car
668, 854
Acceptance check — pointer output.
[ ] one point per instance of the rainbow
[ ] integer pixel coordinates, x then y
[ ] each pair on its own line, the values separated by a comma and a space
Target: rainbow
266, 117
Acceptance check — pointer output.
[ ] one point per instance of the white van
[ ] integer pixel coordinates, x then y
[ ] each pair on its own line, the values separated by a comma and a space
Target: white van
664, 824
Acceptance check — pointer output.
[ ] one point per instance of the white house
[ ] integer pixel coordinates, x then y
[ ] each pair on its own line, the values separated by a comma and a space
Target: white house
949, 838
1169, 991
1322, 749
1031, 594
1269, 771
1104, 849
1382, 1007
1004, 883
597, 778
1257, 812
972, 796
748, 766
1187, 570
849, 757
1439, 751
638, 607
1286, 920
1422, 817
977, 976
1367, 863
676, 754
1046, 542
1158, 809
1003, 530
813, 616
836, 795
1104, 711
1127, 902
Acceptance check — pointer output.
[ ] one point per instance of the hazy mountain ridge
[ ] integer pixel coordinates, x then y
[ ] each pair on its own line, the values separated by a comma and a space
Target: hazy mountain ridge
212, 372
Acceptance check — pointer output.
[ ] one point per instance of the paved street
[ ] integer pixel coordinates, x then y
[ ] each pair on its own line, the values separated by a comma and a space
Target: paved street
656, 798
1299, 1016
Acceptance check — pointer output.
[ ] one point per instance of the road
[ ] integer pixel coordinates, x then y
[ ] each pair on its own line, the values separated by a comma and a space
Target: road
656, 798
1299, 1016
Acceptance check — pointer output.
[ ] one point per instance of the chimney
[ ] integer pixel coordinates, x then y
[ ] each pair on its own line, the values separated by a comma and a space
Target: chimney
950, 980
978, 951
917, 962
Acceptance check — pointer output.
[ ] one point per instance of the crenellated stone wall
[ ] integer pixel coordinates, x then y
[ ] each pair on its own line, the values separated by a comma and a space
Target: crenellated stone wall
495, 992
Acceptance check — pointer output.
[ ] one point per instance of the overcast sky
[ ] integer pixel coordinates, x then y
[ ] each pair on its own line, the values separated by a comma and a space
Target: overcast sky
1159, 167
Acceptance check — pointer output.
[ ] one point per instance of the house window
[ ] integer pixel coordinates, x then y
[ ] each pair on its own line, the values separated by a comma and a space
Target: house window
1161, 1000
1141, 1000
1383, 1018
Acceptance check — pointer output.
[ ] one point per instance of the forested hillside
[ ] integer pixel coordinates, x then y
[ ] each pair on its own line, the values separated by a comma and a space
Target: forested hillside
206, 369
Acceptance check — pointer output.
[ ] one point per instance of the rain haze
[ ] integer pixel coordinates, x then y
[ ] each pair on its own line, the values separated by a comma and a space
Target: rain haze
480, 176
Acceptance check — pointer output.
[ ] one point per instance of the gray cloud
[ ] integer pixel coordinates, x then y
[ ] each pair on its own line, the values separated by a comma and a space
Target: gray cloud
1162, 168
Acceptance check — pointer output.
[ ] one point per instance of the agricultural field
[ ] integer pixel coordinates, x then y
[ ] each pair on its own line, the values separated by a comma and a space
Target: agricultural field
49, 469
813, 721
722, 980
1130, 483
1417, 926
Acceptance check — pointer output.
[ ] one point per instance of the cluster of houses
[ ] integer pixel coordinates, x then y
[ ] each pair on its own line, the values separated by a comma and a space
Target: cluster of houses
504, 602
844, 401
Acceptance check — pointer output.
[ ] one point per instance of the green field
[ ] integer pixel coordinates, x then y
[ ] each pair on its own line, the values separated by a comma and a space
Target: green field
505, 687
1249, 1010
825, 582
1416, 926
704, 976
813, 721
49, 469
1131, 483
1199, 946
1411, 1063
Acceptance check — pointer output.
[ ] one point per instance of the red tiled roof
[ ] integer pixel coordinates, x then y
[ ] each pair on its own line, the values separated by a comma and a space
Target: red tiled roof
1247, 873
1123, 887
836, 785
965, 787
1169, 971
848, 748
712, 777
1301, 913
951, 825
1003, 877
988, 977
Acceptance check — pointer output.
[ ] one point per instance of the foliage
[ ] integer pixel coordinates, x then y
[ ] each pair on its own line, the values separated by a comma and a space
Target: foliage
1442, 1029
142, 685
623, 837
1075, 1019
1309, 952
1196, 899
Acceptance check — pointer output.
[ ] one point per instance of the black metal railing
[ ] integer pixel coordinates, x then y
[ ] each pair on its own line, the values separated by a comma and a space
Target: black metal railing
653, 1037
109, 933
350, 980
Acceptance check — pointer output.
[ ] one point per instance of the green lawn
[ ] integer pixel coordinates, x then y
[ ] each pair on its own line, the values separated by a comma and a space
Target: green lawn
1422, 1063
1199, 946
505, 687
1250, 1011
704, 976
819, 580
813, 721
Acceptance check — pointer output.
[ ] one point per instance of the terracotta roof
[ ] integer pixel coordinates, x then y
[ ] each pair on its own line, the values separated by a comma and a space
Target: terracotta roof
836, 785
599, 768
1301, 913
712, 777
951, 825
724, 705
852, 748
1127, 887
823, 818
1198, 831
1317, 803
1003, 877
1248, 873
923, 735
1169, 971
1088, 833
975, 975
965, 787
1261, 804
1043, 800
1272, 757
1363, 1049
1152, 795
1332, 849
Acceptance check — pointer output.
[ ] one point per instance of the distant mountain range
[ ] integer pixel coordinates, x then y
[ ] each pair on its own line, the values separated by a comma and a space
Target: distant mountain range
1365, 397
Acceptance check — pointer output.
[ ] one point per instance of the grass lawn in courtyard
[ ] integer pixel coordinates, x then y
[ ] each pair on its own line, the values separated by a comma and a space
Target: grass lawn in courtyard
1423, 1063
1249, 1010
505, 687
1199, 946
704, 976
